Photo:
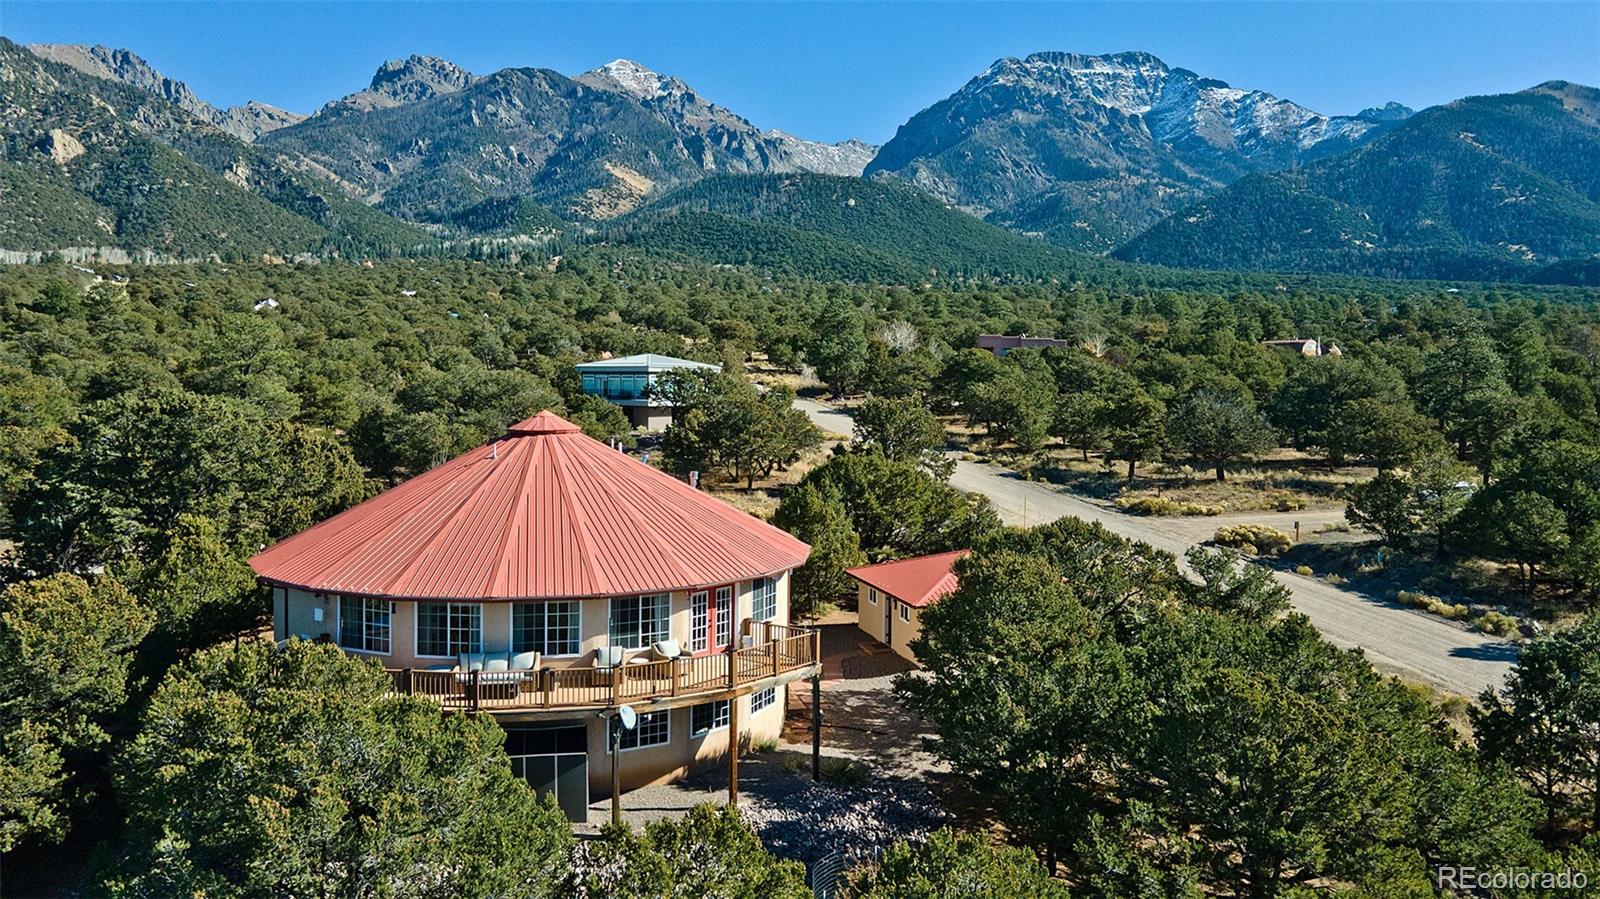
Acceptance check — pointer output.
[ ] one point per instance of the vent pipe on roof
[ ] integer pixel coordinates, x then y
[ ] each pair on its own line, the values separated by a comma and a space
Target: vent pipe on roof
494, 450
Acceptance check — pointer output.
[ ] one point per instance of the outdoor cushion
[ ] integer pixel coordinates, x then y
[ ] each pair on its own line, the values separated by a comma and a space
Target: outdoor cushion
608, 657
666, 649
524, 661
496, 663
472, 661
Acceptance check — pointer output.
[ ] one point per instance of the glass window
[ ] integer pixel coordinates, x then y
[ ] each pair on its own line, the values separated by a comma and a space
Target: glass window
364, 624
708, 716
592, 384
699, 621
764, 599
654, 729
548, 628
724, 616
905, 612
449, 628
872, 596
638, 621
760, 699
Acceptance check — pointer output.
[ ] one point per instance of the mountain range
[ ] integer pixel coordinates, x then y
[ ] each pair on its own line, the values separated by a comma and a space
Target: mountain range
1115, 154
1090, 150
1483, 188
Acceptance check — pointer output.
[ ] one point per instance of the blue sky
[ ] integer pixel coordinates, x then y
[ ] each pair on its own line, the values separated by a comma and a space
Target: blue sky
831, 71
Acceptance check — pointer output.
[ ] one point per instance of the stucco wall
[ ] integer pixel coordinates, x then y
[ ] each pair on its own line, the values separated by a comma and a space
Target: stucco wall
871, 619
684, 754
294, 615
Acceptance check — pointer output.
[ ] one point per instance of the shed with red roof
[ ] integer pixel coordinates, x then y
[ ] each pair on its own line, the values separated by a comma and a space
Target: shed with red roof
892, 595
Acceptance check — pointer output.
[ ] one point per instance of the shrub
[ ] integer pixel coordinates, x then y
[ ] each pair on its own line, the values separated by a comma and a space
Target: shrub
1157, 505
842, 772
1289, 503
764, 746
1304, 570
1433, 605
1497, 623
1255, 539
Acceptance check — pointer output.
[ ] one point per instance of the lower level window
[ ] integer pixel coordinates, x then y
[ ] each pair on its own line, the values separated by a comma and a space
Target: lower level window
708, 716
872, 596
762, 699
449, 628
364, 624
905, 612
654, 729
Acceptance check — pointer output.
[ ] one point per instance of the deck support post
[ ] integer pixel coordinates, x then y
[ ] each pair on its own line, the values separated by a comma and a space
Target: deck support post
733, 750
816, 726
406, 679
614, 737
477, 693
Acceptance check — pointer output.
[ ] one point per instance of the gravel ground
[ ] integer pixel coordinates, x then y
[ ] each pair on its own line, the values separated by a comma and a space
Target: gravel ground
799, 819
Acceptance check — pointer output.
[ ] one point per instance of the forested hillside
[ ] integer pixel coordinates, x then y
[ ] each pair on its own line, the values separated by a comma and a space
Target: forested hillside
1494, 187
872, 230
100, 163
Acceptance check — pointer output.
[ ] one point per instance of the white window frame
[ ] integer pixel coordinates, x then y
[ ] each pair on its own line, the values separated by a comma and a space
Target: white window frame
639, 728
719, 719
761, 699
577, 606
722, 632
361, 603
872, 595
700, 621
416, 628
664, 632
905, 612
761, 589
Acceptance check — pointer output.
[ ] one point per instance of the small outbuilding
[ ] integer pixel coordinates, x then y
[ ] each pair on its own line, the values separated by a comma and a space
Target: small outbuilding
892, 595
626, 381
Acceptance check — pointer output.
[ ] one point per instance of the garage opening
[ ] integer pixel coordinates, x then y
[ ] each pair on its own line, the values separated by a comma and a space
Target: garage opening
554, 760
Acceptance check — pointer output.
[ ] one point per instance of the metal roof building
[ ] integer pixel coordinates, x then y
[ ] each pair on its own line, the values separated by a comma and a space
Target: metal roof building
545, 512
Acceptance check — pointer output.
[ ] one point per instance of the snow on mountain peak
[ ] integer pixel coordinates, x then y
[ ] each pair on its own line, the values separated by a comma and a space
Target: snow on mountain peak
634, 79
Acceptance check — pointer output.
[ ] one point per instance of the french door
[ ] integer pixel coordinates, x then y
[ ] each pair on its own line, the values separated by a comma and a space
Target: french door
711, 619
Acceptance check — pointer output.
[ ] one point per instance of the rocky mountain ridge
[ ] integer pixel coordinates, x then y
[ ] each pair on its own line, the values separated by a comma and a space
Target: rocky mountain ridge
1089, 150
246, 122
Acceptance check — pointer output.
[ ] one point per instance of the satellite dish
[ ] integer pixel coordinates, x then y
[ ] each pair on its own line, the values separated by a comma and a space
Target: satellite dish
629, 718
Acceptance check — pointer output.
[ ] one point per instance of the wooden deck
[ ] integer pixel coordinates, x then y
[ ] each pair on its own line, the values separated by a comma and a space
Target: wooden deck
779, 653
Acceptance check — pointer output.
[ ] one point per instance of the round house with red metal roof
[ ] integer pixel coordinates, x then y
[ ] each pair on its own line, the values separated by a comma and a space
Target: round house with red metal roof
549, 579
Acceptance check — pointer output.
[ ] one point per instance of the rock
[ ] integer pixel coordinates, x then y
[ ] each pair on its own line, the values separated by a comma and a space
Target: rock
60, 146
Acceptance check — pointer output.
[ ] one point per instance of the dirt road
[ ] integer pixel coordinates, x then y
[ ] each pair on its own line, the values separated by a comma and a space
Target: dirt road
1396, 639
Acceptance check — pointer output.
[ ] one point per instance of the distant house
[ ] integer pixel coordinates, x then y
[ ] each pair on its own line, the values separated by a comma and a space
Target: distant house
892, 596
1001, 344
1304, 346
626, 381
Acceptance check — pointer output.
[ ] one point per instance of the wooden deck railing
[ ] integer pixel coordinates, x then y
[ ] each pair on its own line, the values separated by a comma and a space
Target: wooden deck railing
788, 649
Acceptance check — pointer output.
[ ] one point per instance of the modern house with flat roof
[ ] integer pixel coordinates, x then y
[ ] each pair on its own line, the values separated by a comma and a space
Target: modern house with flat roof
547, 579
1001, 344
1304, 346
626, 381
892, 595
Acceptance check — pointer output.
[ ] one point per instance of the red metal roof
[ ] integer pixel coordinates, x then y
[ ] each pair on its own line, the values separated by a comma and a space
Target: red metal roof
546, 512
916, 581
